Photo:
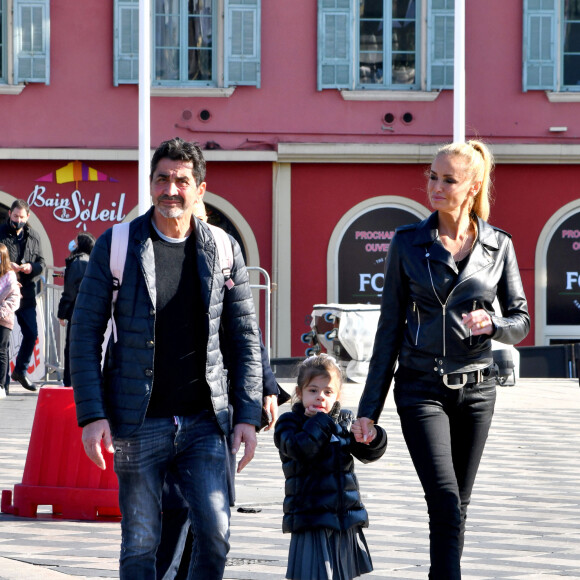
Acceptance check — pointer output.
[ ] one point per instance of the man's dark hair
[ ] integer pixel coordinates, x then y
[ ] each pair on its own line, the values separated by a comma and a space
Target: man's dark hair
20, 204
179, 150
85, 243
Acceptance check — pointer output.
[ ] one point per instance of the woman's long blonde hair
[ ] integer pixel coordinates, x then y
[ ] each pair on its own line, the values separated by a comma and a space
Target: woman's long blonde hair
5, 263
479, 165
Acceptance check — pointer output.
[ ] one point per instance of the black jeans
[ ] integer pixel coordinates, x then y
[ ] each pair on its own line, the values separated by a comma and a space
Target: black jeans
4, 355
445, 431
28, 326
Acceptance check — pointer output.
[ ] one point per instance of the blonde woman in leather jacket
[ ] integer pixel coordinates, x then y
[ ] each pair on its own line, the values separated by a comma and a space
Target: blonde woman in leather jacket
437, 321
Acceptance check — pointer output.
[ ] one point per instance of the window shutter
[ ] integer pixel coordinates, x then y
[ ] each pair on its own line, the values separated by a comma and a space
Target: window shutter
540, 33
126, 42
242, 42
31, 41
440, 49
335, 41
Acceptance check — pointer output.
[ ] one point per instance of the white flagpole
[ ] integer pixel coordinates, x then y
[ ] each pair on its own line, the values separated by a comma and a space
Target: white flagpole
459, 73
144, 104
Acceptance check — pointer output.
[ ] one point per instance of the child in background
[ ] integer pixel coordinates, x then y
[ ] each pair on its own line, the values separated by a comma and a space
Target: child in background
323, 510
9, 304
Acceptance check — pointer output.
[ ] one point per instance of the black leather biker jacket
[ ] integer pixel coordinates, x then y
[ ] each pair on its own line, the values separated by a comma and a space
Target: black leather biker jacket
424, 298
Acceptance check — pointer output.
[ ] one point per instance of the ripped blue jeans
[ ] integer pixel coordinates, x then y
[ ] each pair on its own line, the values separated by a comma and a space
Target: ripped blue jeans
194, 450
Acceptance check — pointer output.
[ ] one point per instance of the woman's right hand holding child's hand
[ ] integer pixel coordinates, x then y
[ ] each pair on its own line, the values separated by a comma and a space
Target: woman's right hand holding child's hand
364, 430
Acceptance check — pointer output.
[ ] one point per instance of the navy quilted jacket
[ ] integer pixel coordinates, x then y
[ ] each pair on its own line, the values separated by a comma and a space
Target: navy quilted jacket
317, 459
121, 392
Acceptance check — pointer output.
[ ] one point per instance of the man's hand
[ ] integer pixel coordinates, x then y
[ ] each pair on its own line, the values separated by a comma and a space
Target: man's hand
246, 434
26, 268
364, 431
271, 407
93, 434
62, 322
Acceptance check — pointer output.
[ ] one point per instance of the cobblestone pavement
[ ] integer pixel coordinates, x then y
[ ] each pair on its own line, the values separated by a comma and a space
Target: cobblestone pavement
524, 521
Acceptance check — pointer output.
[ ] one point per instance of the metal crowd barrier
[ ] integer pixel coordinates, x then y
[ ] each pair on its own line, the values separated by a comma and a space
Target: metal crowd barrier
266, 286
55, 334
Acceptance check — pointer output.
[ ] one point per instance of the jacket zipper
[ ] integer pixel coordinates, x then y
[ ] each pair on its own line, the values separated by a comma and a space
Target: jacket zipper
443, 305
470, 334
416, 311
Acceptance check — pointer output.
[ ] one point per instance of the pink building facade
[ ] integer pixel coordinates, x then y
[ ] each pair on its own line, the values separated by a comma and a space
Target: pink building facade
318, 120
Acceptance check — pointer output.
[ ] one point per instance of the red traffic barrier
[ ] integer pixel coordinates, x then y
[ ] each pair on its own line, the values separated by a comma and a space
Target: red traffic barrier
57, 471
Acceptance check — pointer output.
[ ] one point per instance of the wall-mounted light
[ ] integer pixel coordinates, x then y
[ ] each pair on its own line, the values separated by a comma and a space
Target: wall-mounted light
558, 129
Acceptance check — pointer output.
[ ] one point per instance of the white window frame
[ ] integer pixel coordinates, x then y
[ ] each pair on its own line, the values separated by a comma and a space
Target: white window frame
552, 13
12, 81
217, 25
224, 56
3, 36
422, 90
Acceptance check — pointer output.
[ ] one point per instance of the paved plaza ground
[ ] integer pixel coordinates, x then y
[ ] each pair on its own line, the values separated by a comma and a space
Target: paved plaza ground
524, 521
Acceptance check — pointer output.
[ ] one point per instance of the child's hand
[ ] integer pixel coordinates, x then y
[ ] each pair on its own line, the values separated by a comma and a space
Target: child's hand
359, 433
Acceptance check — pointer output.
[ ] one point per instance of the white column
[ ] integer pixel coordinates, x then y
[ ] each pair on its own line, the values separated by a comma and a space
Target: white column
144, 104
459, 73
281, 260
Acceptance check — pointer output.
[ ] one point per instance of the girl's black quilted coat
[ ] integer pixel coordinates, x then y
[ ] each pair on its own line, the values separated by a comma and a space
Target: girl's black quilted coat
317, 459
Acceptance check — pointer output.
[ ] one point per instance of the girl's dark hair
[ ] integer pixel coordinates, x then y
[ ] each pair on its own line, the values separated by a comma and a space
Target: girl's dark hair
5, 264
318, 365
85, 244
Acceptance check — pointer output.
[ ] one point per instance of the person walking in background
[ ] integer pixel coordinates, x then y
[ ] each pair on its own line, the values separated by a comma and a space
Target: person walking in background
9, 303
162, 401
323, 509
75, 266
25, 251
437, 321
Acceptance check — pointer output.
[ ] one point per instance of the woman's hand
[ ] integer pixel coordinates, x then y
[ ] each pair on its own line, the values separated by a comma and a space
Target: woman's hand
363, 430
271, 407
478, 322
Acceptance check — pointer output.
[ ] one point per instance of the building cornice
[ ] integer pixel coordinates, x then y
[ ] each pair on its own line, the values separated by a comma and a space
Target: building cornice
420, 153
125, 155
507, 153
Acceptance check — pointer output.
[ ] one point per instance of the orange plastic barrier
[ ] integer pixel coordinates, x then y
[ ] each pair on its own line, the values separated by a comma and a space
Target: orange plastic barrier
57, 471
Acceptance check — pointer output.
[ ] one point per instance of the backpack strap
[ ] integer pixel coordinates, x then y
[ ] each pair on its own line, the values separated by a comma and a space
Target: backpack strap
225, 254
118, 255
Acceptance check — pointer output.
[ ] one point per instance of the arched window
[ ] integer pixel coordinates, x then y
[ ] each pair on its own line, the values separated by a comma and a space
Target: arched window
359, 245
558, 278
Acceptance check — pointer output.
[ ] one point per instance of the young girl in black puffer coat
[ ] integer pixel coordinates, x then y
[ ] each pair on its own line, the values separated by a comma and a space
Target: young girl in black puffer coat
323, 510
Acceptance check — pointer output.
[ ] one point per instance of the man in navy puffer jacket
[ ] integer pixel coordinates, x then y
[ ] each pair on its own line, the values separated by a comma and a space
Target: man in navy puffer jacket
161, 402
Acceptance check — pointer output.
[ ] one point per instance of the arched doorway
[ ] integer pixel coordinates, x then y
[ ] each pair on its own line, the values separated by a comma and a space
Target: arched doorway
359, 245
557, 278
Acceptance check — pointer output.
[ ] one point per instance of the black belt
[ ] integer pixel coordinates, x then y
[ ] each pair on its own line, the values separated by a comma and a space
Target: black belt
458, 380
